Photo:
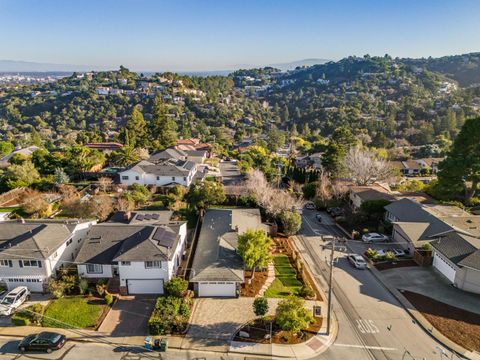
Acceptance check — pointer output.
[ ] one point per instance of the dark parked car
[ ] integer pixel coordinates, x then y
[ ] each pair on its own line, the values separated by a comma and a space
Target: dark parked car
44, 341
336, 211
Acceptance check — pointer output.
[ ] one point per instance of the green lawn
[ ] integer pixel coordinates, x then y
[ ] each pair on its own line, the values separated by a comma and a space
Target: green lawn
73, 312
285, 282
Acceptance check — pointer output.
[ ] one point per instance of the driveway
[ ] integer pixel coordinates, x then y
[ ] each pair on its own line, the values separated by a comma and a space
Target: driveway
428, 282
128, 316
215, 321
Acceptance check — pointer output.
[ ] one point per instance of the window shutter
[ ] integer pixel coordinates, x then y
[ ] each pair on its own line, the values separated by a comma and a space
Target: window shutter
20, 262
39, 264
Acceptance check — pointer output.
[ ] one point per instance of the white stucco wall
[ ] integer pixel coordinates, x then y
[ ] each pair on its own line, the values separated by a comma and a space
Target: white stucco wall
150, 179
137, 270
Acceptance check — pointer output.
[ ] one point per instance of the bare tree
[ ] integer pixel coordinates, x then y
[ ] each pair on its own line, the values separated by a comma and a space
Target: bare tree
105, 183
124, 204
274, 200
364, 167
33, 203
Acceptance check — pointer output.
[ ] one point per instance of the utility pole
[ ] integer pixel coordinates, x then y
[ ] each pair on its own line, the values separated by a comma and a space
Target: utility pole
330, 283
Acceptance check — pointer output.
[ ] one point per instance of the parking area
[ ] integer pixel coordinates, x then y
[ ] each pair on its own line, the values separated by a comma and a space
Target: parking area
128, 316
427, 281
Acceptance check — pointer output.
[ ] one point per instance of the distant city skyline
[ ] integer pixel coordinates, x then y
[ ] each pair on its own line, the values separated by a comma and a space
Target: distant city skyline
197, 35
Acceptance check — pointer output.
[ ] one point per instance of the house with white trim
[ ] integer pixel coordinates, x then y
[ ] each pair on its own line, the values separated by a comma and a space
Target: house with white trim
31, 251
140, 256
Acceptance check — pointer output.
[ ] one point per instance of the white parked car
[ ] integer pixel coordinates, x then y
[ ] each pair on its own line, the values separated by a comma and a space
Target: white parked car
374, 237
398, 252
357, 261
13, 300
310, 206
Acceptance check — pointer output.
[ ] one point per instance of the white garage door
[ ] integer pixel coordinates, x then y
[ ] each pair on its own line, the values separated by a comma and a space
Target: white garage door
217, 289
143, 286
446, 269
33, 284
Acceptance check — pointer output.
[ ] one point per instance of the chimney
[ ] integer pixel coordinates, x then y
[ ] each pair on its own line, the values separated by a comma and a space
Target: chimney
127, 215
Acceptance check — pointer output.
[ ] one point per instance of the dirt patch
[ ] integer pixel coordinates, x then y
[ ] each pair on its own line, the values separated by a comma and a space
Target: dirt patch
252, 289
460, 326
397, 264
259, 328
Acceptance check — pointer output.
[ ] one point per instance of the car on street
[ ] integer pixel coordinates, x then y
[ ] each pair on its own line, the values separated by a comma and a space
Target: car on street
44, 341
336, 211
374, 237
310, 206
13, 300
357, 261
318, 217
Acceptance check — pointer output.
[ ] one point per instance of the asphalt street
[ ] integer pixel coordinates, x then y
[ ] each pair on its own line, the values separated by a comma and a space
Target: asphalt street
372, 323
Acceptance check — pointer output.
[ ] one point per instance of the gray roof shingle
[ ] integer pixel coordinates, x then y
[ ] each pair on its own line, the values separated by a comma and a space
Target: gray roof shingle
461, 249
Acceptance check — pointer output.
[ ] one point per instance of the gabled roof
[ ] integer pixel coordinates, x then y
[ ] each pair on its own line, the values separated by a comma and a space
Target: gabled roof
107, 243
165, 168
170, 153
368, 193
461, 249
32, 240
216, 257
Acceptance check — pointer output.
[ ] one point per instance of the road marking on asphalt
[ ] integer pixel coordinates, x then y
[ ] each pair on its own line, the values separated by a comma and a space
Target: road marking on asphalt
367, 326
367, 347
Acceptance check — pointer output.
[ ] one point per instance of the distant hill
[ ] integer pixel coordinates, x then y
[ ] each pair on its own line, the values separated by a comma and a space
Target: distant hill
292, 65
28, 66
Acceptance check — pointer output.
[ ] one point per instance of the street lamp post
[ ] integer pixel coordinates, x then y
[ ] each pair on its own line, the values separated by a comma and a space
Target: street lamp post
330, 283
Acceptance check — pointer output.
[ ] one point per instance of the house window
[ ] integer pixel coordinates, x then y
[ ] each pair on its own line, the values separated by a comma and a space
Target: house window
158, 177
173, 178
69, 241
184, 178
124, 177
30, 263
125, 263
153, 264
137, 177
94, 269
6, 263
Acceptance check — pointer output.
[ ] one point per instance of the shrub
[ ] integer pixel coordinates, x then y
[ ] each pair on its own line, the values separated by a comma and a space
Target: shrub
389, 256
306, 291
260, 306
355, 234
169, 315
291, 315
109, 299
36, 313
101, 288
176, 287
371, 254
427, 247
291, 222
21, 318
57, 288
82, 286
365, 231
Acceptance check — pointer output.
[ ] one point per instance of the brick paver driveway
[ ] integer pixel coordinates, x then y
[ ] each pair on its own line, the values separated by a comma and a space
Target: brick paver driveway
129, 316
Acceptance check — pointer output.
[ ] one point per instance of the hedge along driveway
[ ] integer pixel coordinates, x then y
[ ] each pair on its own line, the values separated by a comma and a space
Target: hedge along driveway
73, 312
285, 282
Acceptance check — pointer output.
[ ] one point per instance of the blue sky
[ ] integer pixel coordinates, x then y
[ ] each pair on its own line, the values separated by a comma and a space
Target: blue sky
213, 35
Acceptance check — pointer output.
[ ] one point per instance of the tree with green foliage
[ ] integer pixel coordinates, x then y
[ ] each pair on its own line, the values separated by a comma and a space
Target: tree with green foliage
202, 195
176, 287
275, 139
6, 148
60, 177
291, 222
134, 134
138, 194
339, 143
163, 129
291, 315
126, 156
460, 171
22, 175
309, 190
254, 248
260, 306
80, 159
374, 208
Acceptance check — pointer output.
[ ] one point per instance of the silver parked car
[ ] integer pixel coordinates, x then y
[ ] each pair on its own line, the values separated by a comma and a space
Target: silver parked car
357, 261
13, 300
374, 237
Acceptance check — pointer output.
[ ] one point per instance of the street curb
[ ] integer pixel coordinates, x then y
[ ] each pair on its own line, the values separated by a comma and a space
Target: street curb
422, 321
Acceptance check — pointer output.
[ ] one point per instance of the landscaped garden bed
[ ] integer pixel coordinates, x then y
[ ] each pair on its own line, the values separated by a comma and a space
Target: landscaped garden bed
286, 282
396, 264
460, 326
251, 287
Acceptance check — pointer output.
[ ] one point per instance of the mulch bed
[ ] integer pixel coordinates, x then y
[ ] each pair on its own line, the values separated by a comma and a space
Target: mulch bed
251, 290
460, 326
258, 328
397, 264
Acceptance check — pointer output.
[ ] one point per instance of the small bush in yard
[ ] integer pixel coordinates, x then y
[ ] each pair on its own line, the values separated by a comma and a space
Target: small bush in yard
109, 299
306, 291
31, 315
176, 287
292, 315
21, 318
82, 286
169, 315
390, 256
260, 306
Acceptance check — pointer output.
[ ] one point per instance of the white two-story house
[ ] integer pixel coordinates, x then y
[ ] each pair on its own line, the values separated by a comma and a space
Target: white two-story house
31, 252
166, 173
141, 257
